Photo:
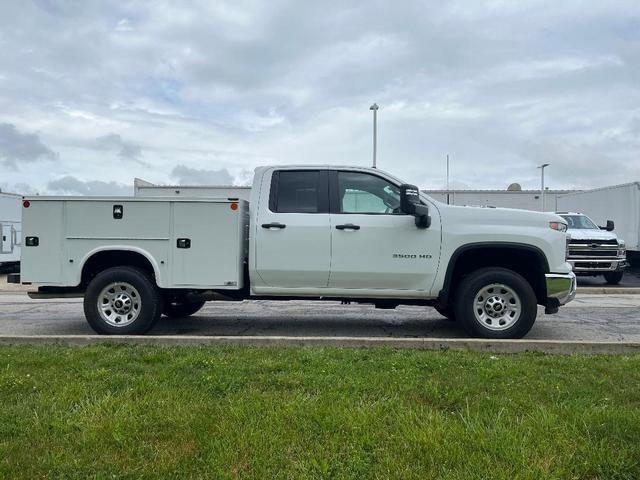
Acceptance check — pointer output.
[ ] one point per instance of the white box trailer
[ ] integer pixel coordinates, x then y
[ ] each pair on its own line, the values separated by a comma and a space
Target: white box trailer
620, 203
189, 243
10, 228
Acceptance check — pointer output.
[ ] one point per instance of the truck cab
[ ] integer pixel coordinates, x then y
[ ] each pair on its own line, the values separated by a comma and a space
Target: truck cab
595, 250
308, 232
338, 232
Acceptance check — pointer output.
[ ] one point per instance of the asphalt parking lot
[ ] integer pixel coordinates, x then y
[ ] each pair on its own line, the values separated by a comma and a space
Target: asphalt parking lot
631, 278
588, 318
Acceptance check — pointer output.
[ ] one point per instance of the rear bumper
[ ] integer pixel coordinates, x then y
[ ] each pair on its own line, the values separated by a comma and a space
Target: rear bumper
561, 289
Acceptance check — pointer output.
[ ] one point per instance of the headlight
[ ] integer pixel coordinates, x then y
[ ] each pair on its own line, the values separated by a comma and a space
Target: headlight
559, 226
622, 248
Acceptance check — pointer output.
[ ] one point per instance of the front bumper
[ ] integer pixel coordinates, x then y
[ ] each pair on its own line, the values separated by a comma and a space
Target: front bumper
561, 289
588, 265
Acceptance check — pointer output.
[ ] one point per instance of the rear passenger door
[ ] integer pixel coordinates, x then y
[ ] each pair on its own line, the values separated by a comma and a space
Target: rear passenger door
293, 237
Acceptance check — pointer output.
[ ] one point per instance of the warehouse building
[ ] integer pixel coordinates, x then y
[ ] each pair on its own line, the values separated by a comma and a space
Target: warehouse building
512, 197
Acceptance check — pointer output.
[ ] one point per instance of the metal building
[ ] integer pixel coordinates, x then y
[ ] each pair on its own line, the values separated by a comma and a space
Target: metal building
142, 188
511, 198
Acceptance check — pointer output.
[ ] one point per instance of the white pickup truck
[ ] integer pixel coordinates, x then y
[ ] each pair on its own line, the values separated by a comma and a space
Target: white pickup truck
594, 250
308, 232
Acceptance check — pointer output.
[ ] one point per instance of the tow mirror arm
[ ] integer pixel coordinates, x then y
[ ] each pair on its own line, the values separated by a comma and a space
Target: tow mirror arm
411, 205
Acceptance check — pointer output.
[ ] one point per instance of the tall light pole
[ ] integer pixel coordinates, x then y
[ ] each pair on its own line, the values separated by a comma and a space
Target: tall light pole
542, 167
375, 107
448, 179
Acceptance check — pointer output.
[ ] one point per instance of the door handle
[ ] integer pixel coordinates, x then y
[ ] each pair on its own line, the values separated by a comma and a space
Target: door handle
274, 225
348, 226
183, 243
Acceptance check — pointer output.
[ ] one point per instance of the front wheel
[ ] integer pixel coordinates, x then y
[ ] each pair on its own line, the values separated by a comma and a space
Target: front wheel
122, 301
495, 303
613, 278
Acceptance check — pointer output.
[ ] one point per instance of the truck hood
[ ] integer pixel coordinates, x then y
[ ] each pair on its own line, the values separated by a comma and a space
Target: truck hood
498, 216
586, 234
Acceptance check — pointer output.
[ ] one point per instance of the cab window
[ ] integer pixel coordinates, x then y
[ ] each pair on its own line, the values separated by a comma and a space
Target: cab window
298, 191
365, 193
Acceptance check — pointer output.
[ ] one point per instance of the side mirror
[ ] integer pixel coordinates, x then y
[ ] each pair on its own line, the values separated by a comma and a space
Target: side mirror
610, 226
410, 204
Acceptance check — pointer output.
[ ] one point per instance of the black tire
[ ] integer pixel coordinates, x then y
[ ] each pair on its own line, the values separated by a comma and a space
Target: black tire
613, 278
446, 312
144, 300
181, 307
465, 307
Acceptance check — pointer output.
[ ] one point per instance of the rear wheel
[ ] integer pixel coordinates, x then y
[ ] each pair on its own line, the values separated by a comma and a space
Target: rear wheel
122, 301
181, 307
495, 303
613, 278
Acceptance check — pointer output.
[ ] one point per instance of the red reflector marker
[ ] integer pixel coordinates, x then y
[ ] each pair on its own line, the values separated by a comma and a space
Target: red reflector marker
234, 206
26, 204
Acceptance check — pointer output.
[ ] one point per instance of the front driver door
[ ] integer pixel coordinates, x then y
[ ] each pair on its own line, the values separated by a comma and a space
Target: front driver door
374, 245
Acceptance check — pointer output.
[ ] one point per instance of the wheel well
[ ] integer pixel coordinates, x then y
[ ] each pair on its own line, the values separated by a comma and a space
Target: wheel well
527, 261
114, 258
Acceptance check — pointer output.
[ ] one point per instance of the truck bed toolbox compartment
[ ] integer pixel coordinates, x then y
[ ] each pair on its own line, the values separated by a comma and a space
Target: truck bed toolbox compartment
194, 243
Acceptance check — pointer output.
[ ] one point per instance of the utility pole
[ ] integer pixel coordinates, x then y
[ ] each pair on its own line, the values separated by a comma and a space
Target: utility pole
374, 108
447, 179
542, 167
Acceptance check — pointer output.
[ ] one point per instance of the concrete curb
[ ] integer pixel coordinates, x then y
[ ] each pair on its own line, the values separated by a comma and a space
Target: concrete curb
609, 290
496, 346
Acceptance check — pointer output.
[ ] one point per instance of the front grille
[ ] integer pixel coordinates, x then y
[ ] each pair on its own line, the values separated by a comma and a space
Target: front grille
612, 241
613, 253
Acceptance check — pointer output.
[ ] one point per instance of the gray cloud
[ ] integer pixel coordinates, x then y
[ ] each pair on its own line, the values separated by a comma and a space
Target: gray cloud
500, 86
19, 147
193, 176
70, 185
126, 150
20, 188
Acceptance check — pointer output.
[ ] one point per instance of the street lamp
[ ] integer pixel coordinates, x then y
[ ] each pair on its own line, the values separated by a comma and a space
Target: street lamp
542, 167
374, 108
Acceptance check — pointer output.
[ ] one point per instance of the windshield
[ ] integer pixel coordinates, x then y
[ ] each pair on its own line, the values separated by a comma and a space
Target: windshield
579, 222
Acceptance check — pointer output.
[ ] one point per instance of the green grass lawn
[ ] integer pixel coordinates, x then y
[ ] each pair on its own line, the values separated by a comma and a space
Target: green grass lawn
148, 412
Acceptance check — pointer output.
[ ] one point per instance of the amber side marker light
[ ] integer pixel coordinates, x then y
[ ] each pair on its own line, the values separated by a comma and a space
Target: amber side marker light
234, 206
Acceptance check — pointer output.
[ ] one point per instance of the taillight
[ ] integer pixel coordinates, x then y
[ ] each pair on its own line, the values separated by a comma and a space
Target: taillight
26, 203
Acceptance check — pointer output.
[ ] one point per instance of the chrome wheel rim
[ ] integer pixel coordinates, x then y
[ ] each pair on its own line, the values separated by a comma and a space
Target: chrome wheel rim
119, 304
497, 307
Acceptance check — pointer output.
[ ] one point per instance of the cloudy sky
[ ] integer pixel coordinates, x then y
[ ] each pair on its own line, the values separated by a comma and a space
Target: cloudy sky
93, 94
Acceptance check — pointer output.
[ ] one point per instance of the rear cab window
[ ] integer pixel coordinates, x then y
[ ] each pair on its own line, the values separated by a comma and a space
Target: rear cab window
299, 191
